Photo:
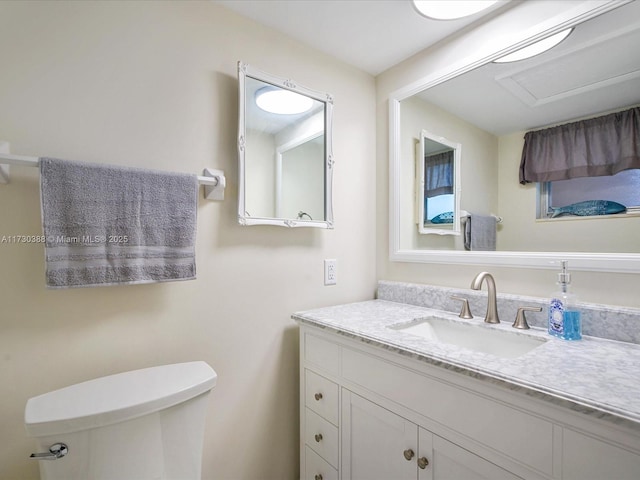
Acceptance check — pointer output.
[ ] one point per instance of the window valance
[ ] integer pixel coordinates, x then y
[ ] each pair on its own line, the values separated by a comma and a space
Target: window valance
595, 147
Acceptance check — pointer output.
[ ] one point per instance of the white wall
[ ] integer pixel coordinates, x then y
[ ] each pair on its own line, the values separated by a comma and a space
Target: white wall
153, 84
523, 21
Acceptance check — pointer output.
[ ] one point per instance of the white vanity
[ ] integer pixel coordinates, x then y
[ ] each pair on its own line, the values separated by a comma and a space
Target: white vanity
382, 403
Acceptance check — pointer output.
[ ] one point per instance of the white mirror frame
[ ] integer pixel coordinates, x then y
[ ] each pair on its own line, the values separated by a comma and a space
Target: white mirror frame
457, 152
602, 262
245, 70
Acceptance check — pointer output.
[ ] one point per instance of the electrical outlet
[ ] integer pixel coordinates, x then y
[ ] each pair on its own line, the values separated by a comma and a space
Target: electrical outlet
330, 271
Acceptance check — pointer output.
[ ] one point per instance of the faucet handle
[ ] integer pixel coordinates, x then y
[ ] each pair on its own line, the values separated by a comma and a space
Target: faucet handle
521, 320
465, 312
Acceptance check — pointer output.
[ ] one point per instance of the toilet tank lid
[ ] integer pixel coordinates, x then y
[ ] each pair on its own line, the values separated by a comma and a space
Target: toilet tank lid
115, 398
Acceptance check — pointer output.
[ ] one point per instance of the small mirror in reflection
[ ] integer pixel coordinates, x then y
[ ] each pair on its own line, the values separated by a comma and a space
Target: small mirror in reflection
437, 190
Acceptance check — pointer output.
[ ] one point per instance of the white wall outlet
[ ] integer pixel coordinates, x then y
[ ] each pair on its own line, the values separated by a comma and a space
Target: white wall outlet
330, 271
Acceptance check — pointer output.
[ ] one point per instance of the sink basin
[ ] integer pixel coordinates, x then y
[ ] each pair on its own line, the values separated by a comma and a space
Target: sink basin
473, 336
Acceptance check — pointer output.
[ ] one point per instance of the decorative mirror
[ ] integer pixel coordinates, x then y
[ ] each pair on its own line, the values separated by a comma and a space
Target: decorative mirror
284, 151
437, 185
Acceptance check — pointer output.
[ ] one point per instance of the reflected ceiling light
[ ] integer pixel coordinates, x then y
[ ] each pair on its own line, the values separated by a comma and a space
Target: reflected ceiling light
281, 101
450, 9
536, 48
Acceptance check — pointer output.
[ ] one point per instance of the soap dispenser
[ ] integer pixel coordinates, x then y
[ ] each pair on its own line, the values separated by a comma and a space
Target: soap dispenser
564, 316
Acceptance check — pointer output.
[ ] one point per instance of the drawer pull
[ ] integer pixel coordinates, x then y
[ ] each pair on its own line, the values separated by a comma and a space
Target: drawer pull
423, 462
318, 477
318, 396
408, 454
318, 437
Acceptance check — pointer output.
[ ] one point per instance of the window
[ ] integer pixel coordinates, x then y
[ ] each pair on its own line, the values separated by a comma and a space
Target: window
623, 188
438, 206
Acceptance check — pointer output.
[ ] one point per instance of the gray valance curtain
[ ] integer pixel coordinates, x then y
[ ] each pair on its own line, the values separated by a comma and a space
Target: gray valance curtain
438, 173
589, 148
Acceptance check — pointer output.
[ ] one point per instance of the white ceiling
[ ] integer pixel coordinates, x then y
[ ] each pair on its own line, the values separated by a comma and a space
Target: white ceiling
594, 70
372, 35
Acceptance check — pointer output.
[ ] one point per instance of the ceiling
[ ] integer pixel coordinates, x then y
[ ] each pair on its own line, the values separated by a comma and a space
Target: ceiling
594, 70
372, 35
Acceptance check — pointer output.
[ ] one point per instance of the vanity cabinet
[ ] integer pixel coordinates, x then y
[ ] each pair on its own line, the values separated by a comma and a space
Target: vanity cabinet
369, 413
378, 444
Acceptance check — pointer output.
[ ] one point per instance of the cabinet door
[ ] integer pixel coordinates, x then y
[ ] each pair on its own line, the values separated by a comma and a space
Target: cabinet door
375, 442
586, 458
448, 461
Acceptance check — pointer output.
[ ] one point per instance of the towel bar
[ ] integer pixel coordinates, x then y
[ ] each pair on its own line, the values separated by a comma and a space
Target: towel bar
464, 214
213, 180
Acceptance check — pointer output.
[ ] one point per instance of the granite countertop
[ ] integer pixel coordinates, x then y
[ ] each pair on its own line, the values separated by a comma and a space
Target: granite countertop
594, 376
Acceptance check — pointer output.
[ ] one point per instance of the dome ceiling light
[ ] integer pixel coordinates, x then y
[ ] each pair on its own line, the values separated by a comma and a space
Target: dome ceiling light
281, 101
450, 9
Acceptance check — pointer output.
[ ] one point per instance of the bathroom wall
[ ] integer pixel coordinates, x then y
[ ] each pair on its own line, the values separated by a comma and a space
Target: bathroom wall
153, 84
523, 21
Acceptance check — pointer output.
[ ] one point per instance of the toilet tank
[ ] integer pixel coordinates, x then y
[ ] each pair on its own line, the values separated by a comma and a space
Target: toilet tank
145, 425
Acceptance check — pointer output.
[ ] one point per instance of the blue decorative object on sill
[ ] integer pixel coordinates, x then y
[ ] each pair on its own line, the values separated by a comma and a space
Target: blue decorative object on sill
588, 208
446, 217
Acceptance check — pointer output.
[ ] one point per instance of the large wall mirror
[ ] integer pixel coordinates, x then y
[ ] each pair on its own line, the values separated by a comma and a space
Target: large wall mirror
284, 148
487, 109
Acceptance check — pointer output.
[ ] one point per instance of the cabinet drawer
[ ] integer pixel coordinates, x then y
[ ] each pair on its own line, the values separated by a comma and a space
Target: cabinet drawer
321, 437
322, 354
315, 468
479, 418
321, 396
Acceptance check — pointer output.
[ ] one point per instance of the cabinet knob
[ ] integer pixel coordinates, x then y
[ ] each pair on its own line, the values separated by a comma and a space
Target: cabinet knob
408, 454
318, 437
423, 462
318, 396
318, 477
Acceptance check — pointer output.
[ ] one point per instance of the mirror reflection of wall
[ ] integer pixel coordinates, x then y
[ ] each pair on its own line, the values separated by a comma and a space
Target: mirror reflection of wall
302, 181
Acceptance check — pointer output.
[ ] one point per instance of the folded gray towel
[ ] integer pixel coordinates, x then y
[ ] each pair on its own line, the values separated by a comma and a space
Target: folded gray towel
480, 233
107, 225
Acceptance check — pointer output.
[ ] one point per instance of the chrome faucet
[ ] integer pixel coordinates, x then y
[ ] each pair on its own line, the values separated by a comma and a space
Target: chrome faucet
492, 302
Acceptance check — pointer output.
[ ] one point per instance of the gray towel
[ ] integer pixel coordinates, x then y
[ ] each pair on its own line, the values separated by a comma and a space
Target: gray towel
480, 233
107, 225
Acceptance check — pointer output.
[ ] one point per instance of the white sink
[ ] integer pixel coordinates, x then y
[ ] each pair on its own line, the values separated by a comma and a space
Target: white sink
473, 336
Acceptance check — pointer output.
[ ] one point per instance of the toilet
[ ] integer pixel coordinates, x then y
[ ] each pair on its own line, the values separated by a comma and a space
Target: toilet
140, 425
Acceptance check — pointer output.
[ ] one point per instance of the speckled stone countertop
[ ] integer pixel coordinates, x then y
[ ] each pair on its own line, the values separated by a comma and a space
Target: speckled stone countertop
594, 376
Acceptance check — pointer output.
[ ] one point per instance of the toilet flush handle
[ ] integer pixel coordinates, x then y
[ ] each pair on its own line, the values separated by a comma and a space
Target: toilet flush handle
56, 451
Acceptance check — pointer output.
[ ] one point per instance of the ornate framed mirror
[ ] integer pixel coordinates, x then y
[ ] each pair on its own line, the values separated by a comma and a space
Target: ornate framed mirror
437, 185
284, 152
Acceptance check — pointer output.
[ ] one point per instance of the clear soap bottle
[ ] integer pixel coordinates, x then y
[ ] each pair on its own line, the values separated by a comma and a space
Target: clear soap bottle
564, 316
